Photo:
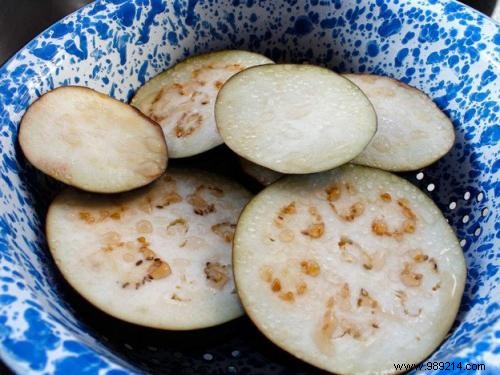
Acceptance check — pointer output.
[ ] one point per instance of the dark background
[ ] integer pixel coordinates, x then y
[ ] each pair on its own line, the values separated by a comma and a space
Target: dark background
21, 20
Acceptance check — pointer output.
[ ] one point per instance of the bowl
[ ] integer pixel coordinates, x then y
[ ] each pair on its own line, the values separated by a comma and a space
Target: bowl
442, 47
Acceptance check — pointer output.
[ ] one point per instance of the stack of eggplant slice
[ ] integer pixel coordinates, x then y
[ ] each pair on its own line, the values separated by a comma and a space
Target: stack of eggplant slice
336, 260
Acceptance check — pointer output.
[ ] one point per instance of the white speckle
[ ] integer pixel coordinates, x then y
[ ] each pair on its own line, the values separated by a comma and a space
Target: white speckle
453, 205
477, 232
485, 211
463, 242
465, 219
235, 353
208, 357
420, 176
431, 187
467, 195
480, 197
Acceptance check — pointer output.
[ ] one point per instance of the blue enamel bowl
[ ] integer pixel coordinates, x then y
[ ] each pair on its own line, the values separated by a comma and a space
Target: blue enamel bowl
442, 47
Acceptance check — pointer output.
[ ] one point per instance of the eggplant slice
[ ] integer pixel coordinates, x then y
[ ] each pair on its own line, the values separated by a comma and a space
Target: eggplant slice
294, 118
91, 141
181, 99
159, 256
264, 176
412, 131
351, 270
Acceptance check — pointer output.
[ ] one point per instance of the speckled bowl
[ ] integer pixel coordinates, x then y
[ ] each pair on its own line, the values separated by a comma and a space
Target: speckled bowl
444, 48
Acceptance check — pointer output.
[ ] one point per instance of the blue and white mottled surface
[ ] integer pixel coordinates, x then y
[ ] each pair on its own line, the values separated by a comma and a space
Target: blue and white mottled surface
441, 47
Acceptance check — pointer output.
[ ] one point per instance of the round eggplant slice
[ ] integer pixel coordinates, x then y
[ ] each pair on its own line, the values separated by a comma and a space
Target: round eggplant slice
351, 270
182, 98
91, 141
159, 256
412, 131
262, 175
294, 118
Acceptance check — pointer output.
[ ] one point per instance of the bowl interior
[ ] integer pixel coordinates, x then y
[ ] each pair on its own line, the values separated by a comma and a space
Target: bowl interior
443, 48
